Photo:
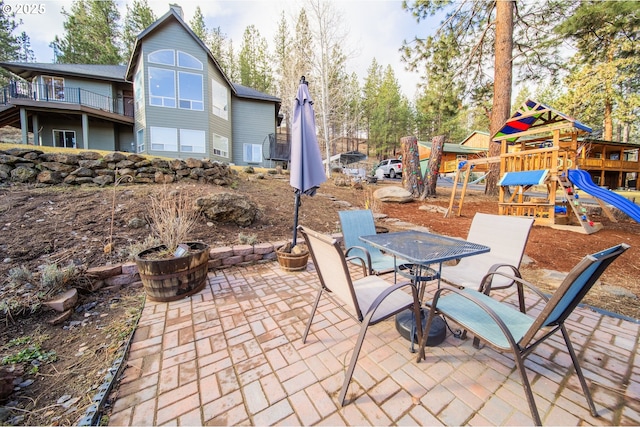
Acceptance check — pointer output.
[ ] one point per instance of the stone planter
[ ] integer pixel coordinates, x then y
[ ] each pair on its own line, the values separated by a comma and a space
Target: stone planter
172, 279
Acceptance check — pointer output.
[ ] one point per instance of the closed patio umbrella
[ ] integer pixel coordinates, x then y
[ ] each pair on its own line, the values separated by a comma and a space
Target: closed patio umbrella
306, 169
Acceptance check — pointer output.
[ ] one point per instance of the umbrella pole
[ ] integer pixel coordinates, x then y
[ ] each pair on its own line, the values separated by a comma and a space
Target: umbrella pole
295, 218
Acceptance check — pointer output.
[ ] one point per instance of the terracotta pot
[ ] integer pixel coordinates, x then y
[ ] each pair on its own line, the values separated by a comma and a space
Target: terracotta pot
174, 278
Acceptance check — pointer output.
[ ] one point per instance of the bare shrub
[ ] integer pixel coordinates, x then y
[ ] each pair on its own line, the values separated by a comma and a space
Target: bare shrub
173, 215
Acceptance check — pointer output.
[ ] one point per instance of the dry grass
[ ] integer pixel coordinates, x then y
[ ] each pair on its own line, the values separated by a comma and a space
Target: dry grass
173, 216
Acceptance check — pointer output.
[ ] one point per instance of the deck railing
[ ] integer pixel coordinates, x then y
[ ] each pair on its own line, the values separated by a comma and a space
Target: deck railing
64, 94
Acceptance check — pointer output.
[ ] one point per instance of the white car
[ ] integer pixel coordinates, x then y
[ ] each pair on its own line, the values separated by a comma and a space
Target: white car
390, 167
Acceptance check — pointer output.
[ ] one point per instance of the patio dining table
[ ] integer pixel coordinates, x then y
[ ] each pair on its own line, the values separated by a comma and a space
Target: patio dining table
423, 250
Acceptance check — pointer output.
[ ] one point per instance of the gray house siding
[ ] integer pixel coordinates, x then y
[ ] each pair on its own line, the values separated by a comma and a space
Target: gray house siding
94, 86
101, 134
126, 140
217, 124
174, 37
256, 123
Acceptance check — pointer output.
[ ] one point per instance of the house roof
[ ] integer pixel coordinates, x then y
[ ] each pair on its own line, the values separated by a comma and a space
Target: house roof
124, 73
533, 117
171, 15
475, 132
455, 148
248, 92
26, 70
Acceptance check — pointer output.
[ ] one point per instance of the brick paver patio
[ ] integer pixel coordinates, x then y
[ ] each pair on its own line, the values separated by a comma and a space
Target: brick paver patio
232, 355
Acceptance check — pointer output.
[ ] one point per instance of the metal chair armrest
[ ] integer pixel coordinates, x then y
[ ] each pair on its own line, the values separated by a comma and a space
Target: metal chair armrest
362, 263
367, 254
466, 293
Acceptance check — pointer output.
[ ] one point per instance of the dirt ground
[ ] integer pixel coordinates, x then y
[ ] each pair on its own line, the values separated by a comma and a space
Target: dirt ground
45, 226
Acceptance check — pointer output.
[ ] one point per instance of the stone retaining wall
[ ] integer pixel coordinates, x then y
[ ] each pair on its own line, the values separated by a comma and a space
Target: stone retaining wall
30, 165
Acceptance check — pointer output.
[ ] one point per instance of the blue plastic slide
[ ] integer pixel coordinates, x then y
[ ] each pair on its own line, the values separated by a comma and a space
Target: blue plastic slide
582, 180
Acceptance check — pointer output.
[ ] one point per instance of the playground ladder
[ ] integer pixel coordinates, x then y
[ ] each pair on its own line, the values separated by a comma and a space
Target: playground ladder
454, 190
576, 205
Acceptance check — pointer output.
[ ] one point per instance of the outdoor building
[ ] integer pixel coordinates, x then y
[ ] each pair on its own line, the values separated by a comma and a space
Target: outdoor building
610, 164
452, 154
171, 100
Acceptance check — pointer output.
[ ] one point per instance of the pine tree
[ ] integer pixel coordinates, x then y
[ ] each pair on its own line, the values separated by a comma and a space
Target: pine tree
91, 34
491, 32
198, 26
25, 53
606, 66
9, 44
137, 18
255, 68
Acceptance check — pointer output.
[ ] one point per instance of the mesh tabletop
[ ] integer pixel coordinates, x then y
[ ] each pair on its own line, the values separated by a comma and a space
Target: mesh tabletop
424, 248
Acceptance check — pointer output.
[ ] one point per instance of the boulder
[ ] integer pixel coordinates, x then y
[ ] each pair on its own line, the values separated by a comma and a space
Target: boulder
392, 194
91, 163
68, 159
49, 177
23, 174
103, 180
229, 207
89, 155
21, 152
193, 163
9, 159
114, 157
57, 167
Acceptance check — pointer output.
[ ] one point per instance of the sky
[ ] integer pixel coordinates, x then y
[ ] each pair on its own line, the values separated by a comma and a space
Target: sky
376, 28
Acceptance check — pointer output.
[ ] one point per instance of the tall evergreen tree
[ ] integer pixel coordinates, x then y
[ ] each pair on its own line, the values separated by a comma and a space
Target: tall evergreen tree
303, 47
491, 32
285, 82
607, 63
255, 68
371, 101
233, 65
199, 27
219, 47
9, 44
137, 18
440, 102
25, 53
91, 34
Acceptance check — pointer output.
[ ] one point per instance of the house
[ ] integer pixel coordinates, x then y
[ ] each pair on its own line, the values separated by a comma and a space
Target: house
171, 100
70, 105
452, 154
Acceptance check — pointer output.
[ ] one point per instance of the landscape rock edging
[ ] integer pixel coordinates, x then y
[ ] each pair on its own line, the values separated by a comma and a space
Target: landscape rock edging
30, 165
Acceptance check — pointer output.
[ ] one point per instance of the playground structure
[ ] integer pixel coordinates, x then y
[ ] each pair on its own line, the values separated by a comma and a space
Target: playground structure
539, 148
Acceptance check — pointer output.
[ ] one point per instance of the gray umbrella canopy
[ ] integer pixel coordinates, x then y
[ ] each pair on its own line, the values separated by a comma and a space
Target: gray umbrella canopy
306, 168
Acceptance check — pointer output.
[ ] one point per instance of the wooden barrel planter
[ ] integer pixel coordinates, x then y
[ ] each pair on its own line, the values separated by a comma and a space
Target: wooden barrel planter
172, 279
292, 262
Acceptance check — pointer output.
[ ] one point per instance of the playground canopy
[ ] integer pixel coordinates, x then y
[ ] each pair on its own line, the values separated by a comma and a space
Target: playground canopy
533, 118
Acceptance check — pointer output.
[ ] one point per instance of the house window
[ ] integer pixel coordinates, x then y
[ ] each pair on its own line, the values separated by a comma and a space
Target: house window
51, 89
162, 87
163, 139
219, 100
252, 153
140, 141
220, 146
192, 141
188, 61
138, 89
190, 91
64, 138
164, 57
